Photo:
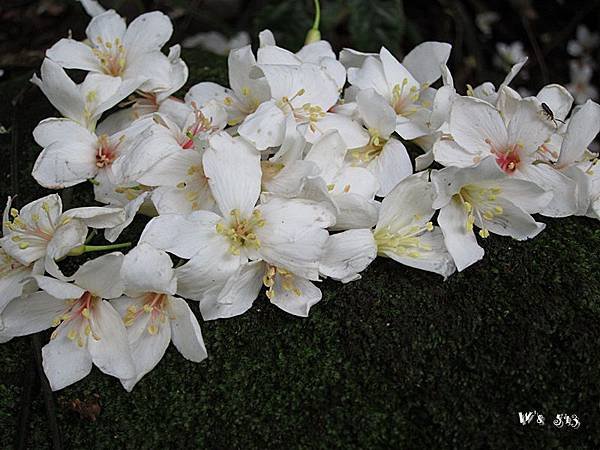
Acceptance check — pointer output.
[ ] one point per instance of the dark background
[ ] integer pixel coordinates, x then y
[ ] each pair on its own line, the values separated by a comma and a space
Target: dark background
398, 359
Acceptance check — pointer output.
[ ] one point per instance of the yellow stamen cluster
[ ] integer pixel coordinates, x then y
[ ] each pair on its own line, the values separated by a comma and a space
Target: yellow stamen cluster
404, 101
26, 234
403, 242
287, 281
240, 231
372, 150
77, 318
156, 305
479, 203
111, 56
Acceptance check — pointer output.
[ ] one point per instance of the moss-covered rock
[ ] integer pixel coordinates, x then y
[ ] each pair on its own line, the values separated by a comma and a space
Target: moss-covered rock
398, 359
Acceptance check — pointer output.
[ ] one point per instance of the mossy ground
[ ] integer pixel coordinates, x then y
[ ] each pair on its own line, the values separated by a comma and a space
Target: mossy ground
398, 359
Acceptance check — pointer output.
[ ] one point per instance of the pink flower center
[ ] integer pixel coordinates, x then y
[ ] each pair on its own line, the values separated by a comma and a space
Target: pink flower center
105, 152
507, 158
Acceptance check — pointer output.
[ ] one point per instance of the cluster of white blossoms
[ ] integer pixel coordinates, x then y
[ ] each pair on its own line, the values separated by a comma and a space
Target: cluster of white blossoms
296, 172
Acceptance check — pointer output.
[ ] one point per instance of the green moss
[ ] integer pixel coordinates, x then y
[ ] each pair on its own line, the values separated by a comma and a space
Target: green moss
397, 359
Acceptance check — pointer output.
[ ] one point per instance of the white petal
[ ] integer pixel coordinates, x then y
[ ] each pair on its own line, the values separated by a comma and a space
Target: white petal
474, 121
411, 198
287, 81
265, 127
328, 154
527, 127
396, 73
97, 216
461, 244
101, 276
197, 279
425, 61
436, 260
513, 222
63, 164
557, 98
448, 153
31, 313
52, 130
560, 199
354, 211
237, 295
147, 32
64, 362
183, 236
294, 236
152, 69
347, 254
206, 91
107, 26
146, 349
391, 166
11, 285
352, 133
370, 75
111, 353
146, 269
185, 332
232, 189
376, 112
62, 92
582, 129
298, 305
58, 289
72, 54
111, 234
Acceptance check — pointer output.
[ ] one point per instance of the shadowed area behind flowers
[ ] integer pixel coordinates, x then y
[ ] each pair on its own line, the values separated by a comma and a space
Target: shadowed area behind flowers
399, 358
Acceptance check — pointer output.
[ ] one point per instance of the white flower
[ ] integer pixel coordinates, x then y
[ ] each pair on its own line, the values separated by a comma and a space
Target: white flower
385, 156
168, 156
580, 86
13, 274
89, 330
305, 92
144, 103
404, 233
351, 189
246, 92
486, 197
41, 231
404, 86
119, 51
152, 314
216, 42
318, 52
287, 234
478, 130
72, 154
83, 103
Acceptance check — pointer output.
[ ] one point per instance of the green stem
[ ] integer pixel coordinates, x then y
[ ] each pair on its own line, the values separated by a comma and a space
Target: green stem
317, 15
314, 34
77, 251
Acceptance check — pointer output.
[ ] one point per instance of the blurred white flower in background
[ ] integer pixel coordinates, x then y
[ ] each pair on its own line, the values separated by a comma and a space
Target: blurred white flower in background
580, 86
216, 42
508, 55
584, 44
485, 20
